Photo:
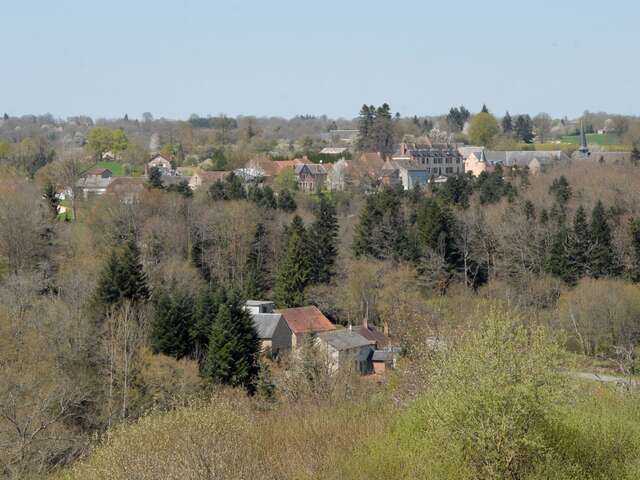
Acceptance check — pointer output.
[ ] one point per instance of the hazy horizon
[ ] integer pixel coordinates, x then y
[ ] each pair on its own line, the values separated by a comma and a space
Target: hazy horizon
284, 58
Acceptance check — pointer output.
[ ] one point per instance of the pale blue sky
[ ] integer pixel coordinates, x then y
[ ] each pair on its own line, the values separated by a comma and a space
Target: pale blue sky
286, 57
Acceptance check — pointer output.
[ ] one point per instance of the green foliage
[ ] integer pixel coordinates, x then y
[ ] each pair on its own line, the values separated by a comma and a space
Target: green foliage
603, 259
483, 129
205, 312
181, 188
232, 357
286, 180
323, 236
524, 128
457, 117
155, 178
507, 123
635, 155
376, 129
286, 202
457, 190
634, 230
172, 323
123, 277
231, 188
262, 196
492, 186
294, 270
561, 190
256, 272
381, 232
51, 197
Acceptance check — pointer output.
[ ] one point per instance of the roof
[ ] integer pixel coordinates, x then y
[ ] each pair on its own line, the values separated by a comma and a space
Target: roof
372, 334
306, 319
469, 149
159, 155
344, 339
257, 303
126, 185
333, 150
313, 168
523, 157
97, 171
272, 168
265, 324
405, 164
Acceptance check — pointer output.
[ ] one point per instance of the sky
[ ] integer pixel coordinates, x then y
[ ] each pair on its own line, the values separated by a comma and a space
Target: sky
284, 58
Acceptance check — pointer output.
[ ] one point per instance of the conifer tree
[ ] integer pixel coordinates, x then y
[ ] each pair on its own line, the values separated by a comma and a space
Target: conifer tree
108, 291
580, 243
155, 178
286, 202
205, 311
256, 266
561, 190
232, 357
634, 273
51, 197
133, 283
603, 260
635, 155
294, 270
507, 123
558, 261
172, 323
323, 238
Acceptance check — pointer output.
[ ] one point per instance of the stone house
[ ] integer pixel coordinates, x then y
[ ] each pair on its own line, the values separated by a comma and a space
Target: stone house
95, 182
403, 171
311, 177
304, 320
336, 175
203, 178
161, 162
346, 347
535, 160
273, 331
437, 159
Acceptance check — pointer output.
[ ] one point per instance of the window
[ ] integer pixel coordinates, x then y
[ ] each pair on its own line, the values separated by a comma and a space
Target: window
449, 169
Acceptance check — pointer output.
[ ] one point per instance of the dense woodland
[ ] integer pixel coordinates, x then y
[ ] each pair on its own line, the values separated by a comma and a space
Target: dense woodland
125, 351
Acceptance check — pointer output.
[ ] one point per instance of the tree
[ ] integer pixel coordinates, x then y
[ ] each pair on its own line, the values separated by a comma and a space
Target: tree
365, 126
603, 260
172, 323
294, 270
108, 290
155, 178
457, 117
286, 202
634, 229
206, 309
543, 124
635, 155
558, 261
256, 267
524, 128
119, 142
561, 190
232, 357
507, 123
323, 236
133, 283
483, 129
100, 141
286, 180
580, 246
51, 196
484, 108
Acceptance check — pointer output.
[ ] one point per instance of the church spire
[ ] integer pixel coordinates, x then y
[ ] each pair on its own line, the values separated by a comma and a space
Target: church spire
584, 148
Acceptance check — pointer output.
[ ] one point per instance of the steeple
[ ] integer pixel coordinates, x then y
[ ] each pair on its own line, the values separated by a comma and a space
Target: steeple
584, 148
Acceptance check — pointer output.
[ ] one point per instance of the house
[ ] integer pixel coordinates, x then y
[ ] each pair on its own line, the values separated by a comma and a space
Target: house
476, 163
346, 347
535, 160
95, 182
203, 178
161, 162
270, 169
364, 171
385, 354
403, 171
336, 175
311, 177
437, 159
127, 189
303, 320
273, 331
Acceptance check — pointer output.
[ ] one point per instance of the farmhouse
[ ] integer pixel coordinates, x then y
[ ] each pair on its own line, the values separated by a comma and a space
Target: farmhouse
303, 320
311, 177
95, 182
273, 331
345, 347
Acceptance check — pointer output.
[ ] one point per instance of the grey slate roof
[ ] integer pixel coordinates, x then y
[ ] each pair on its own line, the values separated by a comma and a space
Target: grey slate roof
523, 157
94, 181
265, 324
409, 165
314, 168
344, 339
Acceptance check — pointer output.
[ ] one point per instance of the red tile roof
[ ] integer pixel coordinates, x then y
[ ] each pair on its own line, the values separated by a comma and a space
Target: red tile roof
306, 319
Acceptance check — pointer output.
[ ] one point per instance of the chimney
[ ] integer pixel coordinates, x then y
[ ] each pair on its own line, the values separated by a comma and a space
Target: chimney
403, 149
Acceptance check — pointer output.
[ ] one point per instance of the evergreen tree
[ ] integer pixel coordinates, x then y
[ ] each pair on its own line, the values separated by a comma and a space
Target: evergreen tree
603, 260
580, 242
524, 128
256, 266
382, 130
294, 269
108, 291
561, 190
172, 323
182, 188
635, 155
268, 199
365, 127
437, 230
51, 197
507, 123
529, 210
286, 202
323, 238
155, 178
558, 261
484, 109
232, 357
634, 273
205, 312
133, 282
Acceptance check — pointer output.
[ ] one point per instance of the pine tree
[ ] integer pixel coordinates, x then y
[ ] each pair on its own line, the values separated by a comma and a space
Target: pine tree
365, 124
294, 269
268, 199
634, 273
286, 202
133, 283
507, 123
580, 243
172, 323
256, 266
232, 357
108, 291
524, 128
635, 155
206, 309
603, 260
51, 197
558, 261
323, 237
561, 190
155, 178
484, 109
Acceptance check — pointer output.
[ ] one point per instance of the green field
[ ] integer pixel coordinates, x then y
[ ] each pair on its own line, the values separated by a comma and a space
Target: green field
592, 138
116, 168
